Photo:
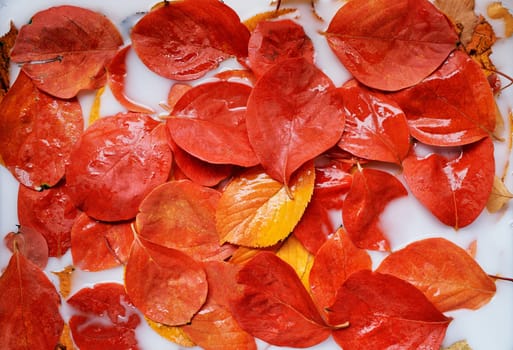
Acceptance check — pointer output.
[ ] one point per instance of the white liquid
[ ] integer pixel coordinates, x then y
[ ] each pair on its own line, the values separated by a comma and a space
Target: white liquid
405, 220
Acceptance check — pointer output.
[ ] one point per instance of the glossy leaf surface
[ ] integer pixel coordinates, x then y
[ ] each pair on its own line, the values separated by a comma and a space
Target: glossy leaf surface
64, 49
294, 114
448, 276
391, 44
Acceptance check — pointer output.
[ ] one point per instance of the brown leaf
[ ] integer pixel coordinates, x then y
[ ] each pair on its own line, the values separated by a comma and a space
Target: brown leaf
461, 12
459, 345
480, 46
497, 11
499, 197
6, 44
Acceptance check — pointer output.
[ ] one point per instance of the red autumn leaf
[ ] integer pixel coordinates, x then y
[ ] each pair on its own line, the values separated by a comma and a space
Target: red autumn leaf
116, 73
29, 307
448, 276
182, 215
183, 40
455, 189
97, 246
37, 133
30, 243
294, 114
214, 327
372, 190
118, 161
332, 181
214, 112
391, 44
175, 93
200, 172
166, 285
385, 312
274, 306
106, 319
376, 128
51, 213
272, 42
65, 49
452, 107
334, 262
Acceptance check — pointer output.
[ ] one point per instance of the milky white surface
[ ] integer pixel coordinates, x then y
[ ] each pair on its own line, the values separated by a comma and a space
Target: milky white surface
405, 220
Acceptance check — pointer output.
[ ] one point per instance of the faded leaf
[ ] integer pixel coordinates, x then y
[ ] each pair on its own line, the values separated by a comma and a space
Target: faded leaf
480, 46
497, 11
256, 210
297, 256
172, 333
94, 114
30, 243
449, 277
459, 345
499, 197
461, 12
65, 278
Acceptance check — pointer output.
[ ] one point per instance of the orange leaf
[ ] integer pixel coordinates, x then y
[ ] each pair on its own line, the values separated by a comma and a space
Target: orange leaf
444, 272
256, 210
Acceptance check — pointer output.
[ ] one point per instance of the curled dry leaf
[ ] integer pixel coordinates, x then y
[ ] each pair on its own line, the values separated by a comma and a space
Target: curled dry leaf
29, 307
64, 49
461, 12
459, 345
274, 306
390, 44
6, 44
449, 277
385, 312
499, 197
496, 10
166, 285
65, 277
38, 133
257, 211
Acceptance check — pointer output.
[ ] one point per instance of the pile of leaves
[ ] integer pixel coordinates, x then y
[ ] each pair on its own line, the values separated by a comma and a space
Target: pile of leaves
221, 211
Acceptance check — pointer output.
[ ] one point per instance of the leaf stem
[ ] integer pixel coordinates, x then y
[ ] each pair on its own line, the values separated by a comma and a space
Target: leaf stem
509, 279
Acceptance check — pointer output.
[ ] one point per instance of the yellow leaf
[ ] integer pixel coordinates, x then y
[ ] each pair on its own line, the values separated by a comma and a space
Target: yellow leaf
296, 255
460, 345
252, 22
496, 11
65, 342
256, 210
65, 280
172, 333
95, 108
499, 197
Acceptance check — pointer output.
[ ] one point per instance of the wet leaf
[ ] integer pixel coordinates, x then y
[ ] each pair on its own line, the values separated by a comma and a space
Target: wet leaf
30, 243
64, 49
256, 210
449, 277
297, 256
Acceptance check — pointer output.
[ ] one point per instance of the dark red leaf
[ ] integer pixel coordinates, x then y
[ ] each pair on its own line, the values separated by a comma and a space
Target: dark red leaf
37, 134
274, 305
454, 106
385, 312
118, 161
29, 307
106, 318
454, 188
65, 49
183, 40
294, 114
50, 212
30, 243
391, 44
